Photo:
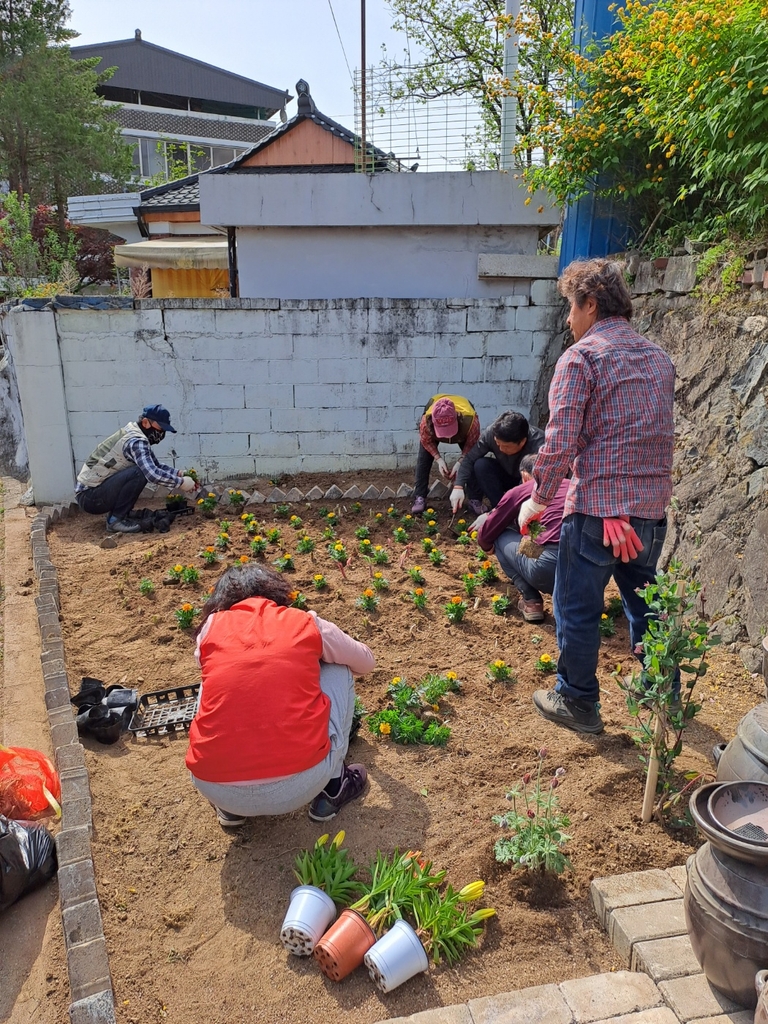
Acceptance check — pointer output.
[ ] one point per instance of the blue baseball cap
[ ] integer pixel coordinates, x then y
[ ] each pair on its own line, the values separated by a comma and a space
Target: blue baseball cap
158, 414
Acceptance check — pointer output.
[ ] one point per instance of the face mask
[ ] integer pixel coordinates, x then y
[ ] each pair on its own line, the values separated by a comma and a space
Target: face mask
154, 436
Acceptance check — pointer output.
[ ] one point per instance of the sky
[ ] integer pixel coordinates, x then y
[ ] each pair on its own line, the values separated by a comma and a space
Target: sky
276, 42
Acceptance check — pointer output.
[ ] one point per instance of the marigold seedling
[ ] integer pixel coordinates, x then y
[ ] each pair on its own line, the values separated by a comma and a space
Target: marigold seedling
189, 575
380, 555
305, 545
185, 615
207, 503
329, 533
146, 587
367, 600
431, 527
427, 544
258, 545
436, 557
500, 672
487, 572
175, 572
222, 541
236, 498
545, 663
607, 626
319, 581
356, 507
419, 597
209, 555
417, 576
471, 583
295, 522
282, 511
463, 539
362, 532
364, 547
400, 534
338, 552
273, 535
499, 604
392, 512
379, 581
455, 609
284, 562
298, 600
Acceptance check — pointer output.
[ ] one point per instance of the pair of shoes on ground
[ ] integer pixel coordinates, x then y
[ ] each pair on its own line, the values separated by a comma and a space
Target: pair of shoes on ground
580, 716
116, 524
354, 778
532, 611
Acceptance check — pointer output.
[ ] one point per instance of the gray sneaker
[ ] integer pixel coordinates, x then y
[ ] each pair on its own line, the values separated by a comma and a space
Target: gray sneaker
555, 707
115, 525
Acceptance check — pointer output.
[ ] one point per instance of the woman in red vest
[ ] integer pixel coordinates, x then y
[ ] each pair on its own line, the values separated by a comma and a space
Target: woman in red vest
276, 703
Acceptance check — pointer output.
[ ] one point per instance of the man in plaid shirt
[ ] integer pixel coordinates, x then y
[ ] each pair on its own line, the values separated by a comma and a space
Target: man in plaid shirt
611, 424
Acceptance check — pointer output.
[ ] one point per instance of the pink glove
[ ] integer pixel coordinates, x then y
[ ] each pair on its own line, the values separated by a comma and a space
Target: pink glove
618, 534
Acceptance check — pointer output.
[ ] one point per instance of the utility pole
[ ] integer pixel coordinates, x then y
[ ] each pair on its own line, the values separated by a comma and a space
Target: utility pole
509, 102
362, 84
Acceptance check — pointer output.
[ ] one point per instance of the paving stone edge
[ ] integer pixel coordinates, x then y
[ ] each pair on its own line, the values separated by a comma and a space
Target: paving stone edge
90, 983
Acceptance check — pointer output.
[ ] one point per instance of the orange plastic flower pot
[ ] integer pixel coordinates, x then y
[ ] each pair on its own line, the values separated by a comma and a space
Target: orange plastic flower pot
344, 945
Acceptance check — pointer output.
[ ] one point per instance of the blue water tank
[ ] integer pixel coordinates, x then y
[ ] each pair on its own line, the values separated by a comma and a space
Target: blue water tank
594, 225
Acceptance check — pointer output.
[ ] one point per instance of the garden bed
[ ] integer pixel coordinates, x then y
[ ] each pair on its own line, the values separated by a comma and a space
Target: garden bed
192, 915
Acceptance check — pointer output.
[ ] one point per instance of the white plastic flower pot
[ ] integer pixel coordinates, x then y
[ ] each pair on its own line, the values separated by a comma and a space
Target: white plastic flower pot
310, 913
396, 957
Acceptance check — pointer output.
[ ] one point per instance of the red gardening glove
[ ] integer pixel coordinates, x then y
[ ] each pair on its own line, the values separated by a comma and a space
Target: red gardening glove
618, 534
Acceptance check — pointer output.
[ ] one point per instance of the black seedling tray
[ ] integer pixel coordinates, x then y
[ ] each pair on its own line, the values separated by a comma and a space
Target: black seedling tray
165, 711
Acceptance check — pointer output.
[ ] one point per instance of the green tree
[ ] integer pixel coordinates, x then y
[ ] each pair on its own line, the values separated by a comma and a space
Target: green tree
461, 52
57, 137
32, 253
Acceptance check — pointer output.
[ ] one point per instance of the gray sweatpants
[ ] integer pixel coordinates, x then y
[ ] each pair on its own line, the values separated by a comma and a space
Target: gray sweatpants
267, 798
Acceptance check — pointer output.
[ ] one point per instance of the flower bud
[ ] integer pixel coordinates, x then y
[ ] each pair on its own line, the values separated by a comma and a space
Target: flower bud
322, 841
554, 783
472, 891
531, 814
339, 838
543, 753
560, 772
527, 778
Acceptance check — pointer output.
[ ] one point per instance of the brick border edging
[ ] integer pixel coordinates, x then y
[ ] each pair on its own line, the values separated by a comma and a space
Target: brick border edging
92, 999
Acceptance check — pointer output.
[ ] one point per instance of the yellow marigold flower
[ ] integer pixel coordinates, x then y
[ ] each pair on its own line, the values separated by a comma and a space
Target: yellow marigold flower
368, 592
243, 559
293, 519
419, 591
366, 541
331, 515
186, 607
211, 494
391, 508
473, 535
200, 501
377, 547
603, 616
435, 707
210, 549
417, 568
409, 516
496, 597
293, 595
396, 680
431, 523
224, 536
498, 663
461, 522
456, 600
385, 728
338, 547
318, 576
430, 511
379, 515
546, 659
258, 537
451, 676
245, 515
178, 568
486, 565
378, 575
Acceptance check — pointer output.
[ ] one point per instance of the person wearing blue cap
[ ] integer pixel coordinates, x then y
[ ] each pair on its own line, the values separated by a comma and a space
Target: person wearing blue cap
117, 471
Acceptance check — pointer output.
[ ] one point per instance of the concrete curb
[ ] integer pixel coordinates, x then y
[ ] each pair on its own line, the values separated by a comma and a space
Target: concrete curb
87, 961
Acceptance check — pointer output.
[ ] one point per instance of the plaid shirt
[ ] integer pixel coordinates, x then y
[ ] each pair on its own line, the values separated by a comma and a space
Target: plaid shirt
138, 450
611, 422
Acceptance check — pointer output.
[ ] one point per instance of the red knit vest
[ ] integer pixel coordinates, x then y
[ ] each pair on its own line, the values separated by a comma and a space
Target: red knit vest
262, 713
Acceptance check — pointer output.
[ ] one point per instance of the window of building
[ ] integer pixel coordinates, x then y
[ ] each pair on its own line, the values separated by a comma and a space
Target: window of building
167, 158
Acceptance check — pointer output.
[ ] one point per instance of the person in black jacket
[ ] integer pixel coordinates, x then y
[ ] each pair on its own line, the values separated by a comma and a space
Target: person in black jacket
508, 439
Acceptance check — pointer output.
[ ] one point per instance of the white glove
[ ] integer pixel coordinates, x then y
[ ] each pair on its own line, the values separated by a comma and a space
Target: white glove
457, 498
187, 484
528, 510
454, 470
478, 522
442, 468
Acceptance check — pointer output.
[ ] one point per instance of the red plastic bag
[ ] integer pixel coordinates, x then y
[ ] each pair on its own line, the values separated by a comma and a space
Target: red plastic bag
29, 785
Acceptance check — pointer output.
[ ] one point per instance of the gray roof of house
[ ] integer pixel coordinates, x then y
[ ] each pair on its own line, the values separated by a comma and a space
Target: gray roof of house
143, 65
181, 196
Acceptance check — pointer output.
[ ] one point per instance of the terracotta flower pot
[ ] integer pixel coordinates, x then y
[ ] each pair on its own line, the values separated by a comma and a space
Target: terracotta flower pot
344, 945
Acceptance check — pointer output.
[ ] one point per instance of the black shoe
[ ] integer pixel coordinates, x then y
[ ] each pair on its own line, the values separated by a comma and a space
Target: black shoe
227, 820
581, 717
115, 525
353, 781
101, 722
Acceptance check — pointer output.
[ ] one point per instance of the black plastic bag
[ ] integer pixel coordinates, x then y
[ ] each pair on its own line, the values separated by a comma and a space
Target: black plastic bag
27, 859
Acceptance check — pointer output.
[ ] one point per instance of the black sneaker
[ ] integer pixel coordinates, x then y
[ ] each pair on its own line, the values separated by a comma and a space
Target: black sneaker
581, 716
227, 820
353, 782
115, 525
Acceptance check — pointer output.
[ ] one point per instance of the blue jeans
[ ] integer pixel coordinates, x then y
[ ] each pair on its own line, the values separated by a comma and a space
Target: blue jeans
584, 567
532, 576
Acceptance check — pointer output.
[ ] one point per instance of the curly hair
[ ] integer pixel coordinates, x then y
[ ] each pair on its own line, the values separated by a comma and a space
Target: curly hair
602, 280
241, 582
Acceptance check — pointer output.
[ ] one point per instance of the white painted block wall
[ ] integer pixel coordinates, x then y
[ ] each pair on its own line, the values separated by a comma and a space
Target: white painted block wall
286, 386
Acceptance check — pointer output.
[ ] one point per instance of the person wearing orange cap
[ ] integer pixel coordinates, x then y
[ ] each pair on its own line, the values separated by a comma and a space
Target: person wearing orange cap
453, 420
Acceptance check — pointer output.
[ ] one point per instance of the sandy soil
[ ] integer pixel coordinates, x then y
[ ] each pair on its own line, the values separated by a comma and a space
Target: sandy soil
192, 915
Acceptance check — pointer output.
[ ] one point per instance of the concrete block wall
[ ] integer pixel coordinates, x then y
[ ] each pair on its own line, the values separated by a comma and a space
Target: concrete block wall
266, 386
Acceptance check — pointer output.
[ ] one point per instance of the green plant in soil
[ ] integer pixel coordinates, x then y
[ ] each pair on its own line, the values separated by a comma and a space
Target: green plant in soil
471, 583
500, 604
357, 507
284, 562
190, 575
329, 533
175, 573
208, 503
378, 517
379, 555
545, 663
429, 513
464, 539
607, 626
434, 687
319, 582
419, 597
455, 609
364, 547
331, 518
209, 555
282, 511
338, 552
368, 600
614, 608
193, 474
305, 545
222, 541
400, 534
298, 600
362, 532
328, 867
273, 535
500, 672
675, 645
535, 528
535, 824
436, 557
487, 571
408, 521
295, 522
146, 587
185, 615
410, 716
431, 527
427, 544
392, 512
416, 575
443, 923
224, 525
379, 581
236, 498
258, 545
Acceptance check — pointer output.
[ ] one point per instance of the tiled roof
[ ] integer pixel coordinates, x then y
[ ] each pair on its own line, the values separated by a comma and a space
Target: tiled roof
307, 111
177, 195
